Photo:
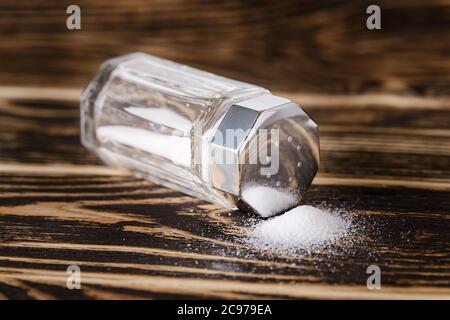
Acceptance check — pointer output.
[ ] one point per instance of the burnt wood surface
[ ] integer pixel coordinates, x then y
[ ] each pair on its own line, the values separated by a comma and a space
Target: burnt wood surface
320, 46
380, 98
386, 166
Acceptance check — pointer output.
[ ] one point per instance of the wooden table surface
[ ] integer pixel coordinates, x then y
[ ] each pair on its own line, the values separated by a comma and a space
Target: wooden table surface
385, 157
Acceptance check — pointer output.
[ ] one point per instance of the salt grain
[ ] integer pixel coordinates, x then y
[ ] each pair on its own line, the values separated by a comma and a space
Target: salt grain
268, 201
151, 142
301, 228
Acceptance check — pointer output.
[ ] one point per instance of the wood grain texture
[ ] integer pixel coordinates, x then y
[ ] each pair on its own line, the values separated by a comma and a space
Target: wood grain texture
386, 167
381, 99
321, 46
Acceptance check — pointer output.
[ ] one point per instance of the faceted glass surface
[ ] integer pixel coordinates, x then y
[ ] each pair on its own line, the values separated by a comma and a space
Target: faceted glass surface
155, 117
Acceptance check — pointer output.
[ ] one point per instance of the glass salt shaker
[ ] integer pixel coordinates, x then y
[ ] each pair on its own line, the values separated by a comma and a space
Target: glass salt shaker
221, 140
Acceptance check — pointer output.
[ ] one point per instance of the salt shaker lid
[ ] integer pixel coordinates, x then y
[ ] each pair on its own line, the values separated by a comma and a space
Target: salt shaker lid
266, 143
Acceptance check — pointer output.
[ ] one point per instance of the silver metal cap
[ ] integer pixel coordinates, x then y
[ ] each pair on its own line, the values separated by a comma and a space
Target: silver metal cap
265, 153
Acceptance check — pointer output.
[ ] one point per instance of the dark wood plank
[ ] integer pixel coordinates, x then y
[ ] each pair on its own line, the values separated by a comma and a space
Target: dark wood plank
380, 97
121, 229
321, 46
385, 166
356, 140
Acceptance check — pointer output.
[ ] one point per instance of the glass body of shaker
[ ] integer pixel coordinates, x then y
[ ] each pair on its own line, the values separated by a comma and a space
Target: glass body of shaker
160, 120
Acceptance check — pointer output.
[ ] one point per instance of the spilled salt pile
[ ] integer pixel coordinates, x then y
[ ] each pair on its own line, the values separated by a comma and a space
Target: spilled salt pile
268, 201
298, 229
